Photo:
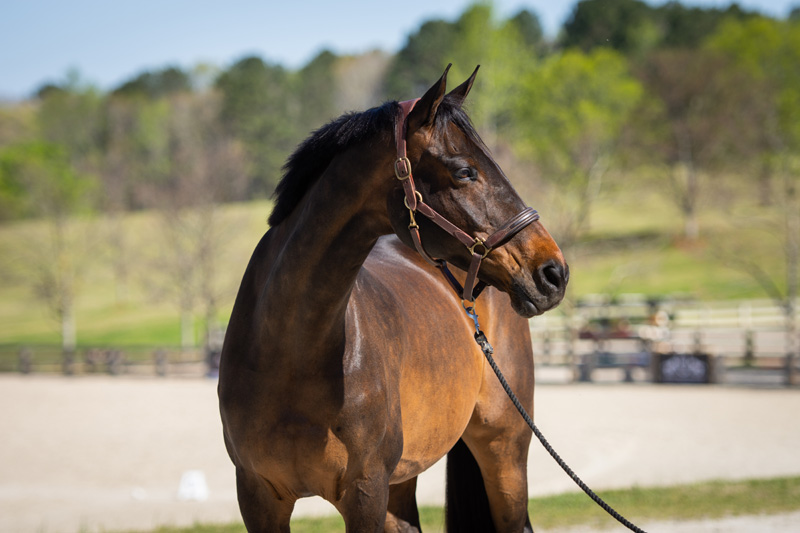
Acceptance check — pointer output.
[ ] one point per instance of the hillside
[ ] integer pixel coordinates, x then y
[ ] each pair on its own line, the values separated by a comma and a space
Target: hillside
634, 246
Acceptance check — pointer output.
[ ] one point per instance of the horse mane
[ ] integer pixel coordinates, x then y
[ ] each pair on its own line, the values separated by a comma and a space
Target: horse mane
312, 156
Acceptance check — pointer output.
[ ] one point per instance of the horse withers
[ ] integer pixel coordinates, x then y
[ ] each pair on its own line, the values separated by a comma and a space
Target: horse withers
349, 365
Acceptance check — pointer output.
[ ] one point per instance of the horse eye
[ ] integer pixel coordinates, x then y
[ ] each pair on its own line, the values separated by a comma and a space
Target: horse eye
466, 174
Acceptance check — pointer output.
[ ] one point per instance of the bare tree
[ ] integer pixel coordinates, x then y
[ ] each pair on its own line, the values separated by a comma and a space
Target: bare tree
206, 169
693, 131
570, 121
120, 165
784, 225
53, 261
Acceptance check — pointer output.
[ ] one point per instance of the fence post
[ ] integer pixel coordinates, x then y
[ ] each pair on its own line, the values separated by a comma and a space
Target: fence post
25, 360
791, 350
546, 348
588, 363
160, 357
68, 362
572, 335
704, 321
746, 324
792, 341
93, 358
749, 347
115, 359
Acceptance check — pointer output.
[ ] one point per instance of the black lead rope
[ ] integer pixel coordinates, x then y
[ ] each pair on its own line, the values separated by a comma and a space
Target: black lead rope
487, 350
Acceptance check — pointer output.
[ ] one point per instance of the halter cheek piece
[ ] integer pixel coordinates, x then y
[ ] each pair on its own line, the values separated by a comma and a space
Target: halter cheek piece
478, 247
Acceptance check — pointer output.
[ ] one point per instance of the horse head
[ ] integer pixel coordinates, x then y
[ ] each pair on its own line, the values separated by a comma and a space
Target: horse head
456, 180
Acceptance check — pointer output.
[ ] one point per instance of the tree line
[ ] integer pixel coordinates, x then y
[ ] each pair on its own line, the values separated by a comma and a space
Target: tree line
688, 94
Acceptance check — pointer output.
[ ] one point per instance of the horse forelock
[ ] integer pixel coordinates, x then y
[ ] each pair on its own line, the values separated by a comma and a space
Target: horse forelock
451, 112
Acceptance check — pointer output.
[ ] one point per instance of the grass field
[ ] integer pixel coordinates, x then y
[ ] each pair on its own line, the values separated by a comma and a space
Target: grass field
141, 312
687, 502
634, 246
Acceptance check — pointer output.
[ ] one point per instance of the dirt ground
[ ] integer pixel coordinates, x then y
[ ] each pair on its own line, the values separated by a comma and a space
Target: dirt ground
97, 453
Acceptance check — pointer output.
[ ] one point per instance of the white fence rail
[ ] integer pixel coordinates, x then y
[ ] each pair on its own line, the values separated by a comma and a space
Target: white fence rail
748, 333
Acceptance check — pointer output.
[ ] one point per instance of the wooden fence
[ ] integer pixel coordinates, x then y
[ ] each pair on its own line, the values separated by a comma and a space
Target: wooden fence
631, 335
132, 361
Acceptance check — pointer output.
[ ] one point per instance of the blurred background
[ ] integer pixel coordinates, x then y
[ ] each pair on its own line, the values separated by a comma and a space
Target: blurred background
140, 145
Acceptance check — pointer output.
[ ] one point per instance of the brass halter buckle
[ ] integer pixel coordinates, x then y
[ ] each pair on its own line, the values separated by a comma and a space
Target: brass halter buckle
479, 242
402, 168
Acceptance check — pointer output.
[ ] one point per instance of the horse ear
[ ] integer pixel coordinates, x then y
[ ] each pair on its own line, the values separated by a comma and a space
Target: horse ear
425, 110
460, 93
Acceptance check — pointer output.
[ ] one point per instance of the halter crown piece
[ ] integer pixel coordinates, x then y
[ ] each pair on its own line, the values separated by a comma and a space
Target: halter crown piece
478, 247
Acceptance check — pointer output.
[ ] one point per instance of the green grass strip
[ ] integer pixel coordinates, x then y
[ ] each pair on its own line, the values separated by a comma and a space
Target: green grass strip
714, 499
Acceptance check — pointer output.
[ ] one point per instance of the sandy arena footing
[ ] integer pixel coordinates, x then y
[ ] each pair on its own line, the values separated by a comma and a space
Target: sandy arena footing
98, 453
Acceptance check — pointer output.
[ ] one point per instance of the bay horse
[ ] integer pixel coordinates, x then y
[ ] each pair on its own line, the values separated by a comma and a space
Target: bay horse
349, 365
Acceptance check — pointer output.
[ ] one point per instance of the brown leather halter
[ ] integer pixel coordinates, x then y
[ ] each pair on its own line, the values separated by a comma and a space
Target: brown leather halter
478, 248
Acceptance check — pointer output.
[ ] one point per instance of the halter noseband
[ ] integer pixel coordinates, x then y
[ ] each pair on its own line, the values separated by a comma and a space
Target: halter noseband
478, 247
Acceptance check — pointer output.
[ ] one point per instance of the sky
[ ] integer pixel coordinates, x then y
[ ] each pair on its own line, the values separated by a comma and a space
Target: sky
109, 43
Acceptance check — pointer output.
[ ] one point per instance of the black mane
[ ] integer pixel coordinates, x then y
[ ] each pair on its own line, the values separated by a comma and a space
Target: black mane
313, 155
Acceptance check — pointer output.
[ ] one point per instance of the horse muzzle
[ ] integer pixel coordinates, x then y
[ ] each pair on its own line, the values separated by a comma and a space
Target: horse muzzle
539, 290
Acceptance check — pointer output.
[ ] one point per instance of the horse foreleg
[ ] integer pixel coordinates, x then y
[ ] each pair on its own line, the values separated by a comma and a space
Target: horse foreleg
364, 503
403, 515
503, 465
263, 510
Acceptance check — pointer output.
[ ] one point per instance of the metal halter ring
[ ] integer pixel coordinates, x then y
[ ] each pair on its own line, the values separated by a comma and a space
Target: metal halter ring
411, 212
419, 198
479, 242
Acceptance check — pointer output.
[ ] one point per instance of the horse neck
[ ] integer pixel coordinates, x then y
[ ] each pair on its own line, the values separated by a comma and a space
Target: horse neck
327, 239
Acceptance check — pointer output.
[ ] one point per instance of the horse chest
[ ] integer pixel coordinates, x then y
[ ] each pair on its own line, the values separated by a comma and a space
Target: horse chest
427, 394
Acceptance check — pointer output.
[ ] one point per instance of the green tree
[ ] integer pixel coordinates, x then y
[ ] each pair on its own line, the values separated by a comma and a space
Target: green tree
206, 170
55, 192
768, 51
634, 27
17, 123
527, 25
172, 154
71, 116
17, 127
689, 27
569, 117
499, 46
52, 176
421, 60
136, 161
137, 151
155, 84
624, 25
358, 81
13, 200
259, 107
694, 132
505, 48
316, 92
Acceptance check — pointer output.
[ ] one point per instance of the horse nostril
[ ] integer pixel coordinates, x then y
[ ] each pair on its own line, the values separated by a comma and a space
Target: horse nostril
554, 276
